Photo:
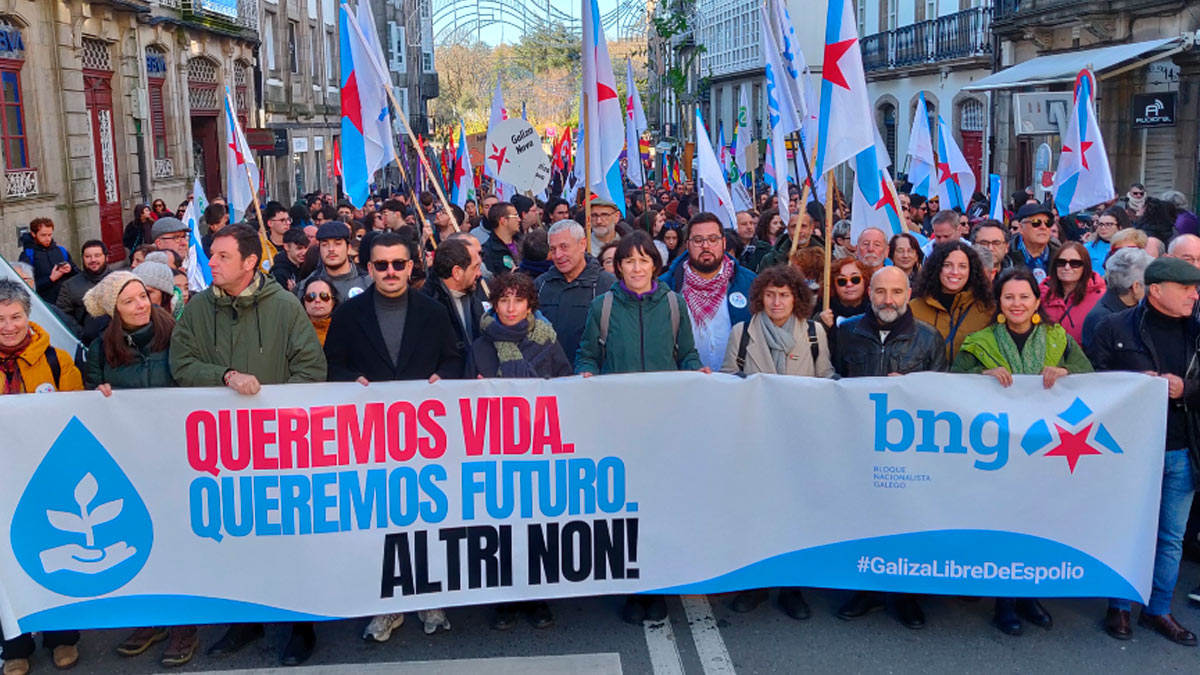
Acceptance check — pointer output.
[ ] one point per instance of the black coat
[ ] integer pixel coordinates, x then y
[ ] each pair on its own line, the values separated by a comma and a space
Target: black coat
354, 345
284, 270
565, 303
436, 289
912, 346
497, 257
43, 259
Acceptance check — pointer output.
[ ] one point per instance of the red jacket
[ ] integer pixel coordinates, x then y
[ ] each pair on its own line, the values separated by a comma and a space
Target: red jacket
1070, 314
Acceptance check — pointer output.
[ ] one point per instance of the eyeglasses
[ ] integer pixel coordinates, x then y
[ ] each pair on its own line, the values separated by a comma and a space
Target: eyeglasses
996, 243
842, 282
180, 236
398, 265
1106, 223
711, 240
325, 297
1040, 223
1068, 262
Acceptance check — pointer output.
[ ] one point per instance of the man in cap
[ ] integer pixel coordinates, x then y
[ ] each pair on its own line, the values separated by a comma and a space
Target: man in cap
333, 238
605, 215
1158, 336
1032, 247
171, 234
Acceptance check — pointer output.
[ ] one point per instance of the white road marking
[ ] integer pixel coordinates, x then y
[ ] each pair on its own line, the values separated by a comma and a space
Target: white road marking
568, 664
714, 656
664, 650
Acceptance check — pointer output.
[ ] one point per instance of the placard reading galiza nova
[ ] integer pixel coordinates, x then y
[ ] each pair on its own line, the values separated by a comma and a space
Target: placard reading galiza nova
336, 500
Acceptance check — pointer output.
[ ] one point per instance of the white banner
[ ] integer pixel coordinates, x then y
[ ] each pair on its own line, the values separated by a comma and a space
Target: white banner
336, 500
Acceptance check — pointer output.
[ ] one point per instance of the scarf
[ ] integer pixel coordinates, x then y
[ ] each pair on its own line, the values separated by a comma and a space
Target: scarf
780, 340
704, 296
1138, 204
523, 349
1028, 361
13, 383
322, 328
1040, 262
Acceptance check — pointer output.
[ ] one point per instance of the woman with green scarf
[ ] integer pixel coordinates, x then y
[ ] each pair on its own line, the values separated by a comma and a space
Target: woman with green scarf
1020, 341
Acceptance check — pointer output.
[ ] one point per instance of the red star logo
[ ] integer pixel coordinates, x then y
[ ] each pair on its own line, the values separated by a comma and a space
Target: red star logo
604, 92
498, 155
945, 174
629, 108
351, 106
1072, 446
241, 159
1084, 147
885, 197
832, 69
459, 171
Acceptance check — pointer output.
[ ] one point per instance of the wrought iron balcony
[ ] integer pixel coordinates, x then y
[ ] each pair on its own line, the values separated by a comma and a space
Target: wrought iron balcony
1008, 10
209, 13
960, 35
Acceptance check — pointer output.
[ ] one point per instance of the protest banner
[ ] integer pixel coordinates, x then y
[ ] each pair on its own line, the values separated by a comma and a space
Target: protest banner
309, 502
515, 150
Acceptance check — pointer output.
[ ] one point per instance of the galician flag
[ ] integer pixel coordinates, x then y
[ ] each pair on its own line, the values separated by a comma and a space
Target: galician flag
498, 114
242, 178
605, 133
876, 203
714, 194
199, 274
782, 116
356, 173
635, 125
463, 185
996, 195
920, 151
1083, 178
845, 121
377, 122
955, 178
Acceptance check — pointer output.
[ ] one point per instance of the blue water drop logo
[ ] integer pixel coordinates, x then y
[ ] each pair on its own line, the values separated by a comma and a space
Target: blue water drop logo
81, 529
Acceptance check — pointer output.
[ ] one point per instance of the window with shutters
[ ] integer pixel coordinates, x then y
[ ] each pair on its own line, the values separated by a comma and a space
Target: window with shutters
268, 38
156, 79
13, 139
398, 47
293, 48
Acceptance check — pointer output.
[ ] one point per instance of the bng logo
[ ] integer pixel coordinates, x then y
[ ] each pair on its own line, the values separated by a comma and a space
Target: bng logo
81, 529
987, 435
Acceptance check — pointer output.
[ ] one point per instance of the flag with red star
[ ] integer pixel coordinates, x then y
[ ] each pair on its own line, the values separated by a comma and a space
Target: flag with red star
920, 151
710, 179
1084, 178
876, 203
242, 173
605, 129
356, 174
845, 121
954, 179
462, 185
635, 125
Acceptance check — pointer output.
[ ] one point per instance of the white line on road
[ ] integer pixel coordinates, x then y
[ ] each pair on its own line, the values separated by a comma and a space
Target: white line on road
570, 664
714, 656
664, 651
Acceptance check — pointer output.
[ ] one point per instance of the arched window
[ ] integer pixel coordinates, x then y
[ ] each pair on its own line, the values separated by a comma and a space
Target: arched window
241, 96
887, 128
156, 78
12, 122
971, 111
202, 85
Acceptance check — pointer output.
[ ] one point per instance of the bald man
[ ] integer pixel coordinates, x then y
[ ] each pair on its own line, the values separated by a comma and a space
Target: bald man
1186, 247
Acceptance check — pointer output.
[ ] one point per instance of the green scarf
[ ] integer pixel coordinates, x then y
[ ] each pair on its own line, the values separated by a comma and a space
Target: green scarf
995, 348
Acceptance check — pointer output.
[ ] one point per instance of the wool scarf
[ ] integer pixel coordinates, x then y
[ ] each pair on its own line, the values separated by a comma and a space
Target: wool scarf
9, 366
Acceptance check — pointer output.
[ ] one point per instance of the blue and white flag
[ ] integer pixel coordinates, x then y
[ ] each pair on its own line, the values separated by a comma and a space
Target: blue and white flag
199, 274
996, 194
1083, 178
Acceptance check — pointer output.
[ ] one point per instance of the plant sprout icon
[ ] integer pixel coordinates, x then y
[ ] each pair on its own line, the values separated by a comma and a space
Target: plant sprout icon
87, 559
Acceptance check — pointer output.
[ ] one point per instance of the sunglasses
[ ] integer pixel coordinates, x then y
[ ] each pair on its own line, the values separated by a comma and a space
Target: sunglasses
1073, 264
397, 265
325, 297
1040, 223
842, 282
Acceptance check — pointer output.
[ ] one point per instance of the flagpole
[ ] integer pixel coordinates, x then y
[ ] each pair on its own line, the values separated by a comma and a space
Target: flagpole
587, 175
416, 203
811, 184
262, 224
830, 189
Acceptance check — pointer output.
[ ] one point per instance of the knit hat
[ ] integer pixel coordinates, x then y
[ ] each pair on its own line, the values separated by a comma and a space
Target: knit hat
101, 300
167, 225
156, 275
158, 257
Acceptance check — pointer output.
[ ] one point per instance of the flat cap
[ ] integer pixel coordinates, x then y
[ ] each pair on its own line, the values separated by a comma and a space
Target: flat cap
334, 229
167, 225
1171, 269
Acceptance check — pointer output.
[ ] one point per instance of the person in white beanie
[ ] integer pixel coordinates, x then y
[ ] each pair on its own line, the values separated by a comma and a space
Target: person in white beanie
160, 283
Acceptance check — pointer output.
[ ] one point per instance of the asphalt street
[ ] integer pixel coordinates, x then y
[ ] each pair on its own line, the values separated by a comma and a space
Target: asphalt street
703, 637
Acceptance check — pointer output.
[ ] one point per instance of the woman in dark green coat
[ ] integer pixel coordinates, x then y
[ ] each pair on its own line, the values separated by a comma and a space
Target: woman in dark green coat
132, 353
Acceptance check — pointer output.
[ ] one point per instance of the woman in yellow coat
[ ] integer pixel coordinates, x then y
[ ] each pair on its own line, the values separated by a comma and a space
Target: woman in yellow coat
953, 294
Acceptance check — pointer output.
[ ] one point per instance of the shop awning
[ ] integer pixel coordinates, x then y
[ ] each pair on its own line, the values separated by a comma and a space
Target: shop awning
1058, 68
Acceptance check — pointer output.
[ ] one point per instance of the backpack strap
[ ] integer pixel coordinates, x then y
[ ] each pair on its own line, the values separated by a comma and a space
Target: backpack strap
606, 304
55, 366
673, 303
813, 345
742, 347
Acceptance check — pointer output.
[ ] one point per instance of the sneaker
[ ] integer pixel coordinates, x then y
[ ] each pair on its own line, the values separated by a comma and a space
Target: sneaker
181, 648
381, 627
140, 640
433, 620
16, 667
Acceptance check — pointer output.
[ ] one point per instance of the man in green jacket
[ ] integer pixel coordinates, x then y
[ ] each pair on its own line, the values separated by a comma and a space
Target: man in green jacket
243, 332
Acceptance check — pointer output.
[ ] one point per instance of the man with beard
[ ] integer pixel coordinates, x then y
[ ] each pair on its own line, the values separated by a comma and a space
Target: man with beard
94, 257
604, 225
872, 247
333, 240
887, 340
715, 287
454, 282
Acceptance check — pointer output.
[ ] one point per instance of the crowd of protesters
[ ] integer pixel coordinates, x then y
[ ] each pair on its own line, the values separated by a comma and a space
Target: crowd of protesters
407, 290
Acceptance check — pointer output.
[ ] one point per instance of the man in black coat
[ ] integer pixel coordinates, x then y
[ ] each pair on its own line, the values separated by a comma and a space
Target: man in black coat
387, 333
454, 282
51, 263
500, 252
566, 292
94, 256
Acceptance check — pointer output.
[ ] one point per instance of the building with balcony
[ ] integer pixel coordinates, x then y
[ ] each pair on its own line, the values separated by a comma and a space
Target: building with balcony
298, 60
1143, 53
932, 46
111, 103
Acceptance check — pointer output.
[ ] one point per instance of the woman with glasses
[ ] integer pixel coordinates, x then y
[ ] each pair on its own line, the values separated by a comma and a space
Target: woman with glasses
320, 299
1071, 289
849, 297
953, 294
905, 252
1109, 222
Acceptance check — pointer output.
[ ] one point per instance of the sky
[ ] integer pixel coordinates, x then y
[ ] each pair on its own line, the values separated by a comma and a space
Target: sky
498, 33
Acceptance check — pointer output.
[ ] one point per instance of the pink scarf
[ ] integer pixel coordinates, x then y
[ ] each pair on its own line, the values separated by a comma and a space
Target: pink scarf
704, 296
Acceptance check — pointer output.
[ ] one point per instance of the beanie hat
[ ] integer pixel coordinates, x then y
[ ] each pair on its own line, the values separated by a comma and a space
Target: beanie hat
158, 257
101, 300
156, 275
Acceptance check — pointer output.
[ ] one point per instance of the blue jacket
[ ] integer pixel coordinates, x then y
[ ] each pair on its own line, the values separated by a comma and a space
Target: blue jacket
737, 298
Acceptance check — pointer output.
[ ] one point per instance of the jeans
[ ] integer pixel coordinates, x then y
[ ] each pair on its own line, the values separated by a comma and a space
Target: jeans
1177, 491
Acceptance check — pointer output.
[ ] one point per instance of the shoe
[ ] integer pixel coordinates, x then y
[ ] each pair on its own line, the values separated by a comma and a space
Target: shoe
505, 617
862, 604
791, 601
433, 619
66, 656
381, 627
142, 639
1166, 626
656, 608
299, 646
181, 648
238, 636
1032, 611
16, 667
1194, 594
539, 614
909, 612
748, 601
1116, 624
634, 611
1006, 618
